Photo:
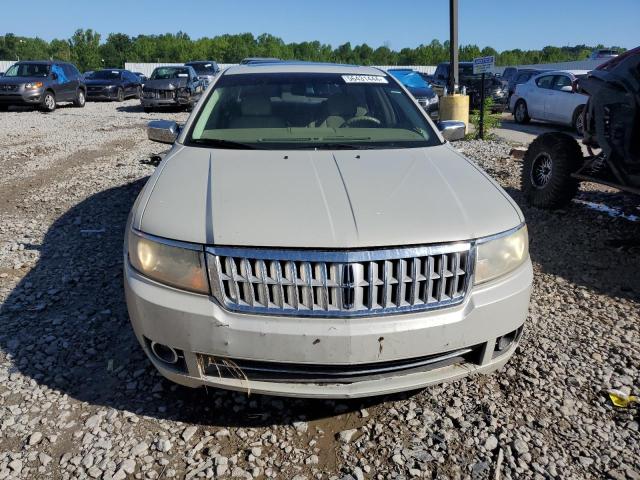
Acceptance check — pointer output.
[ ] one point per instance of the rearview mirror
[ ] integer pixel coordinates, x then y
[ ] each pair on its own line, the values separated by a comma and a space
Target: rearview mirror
452, 130
163, 131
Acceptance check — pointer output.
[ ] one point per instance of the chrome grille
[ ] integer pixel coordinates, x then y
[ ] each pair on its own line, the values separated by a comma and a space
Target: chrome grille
339, 283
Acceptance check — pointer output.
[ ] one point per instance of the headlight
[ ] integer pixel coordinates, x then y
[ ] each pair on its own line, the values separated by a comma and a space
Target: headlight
33, 85
501, 255
180, 267
433, 100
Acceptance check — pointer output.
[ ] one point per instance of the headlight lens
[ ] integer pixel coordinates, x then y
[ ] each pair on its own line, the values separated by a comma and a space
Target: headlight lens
433, 100
179, 267
502, 255
33, 85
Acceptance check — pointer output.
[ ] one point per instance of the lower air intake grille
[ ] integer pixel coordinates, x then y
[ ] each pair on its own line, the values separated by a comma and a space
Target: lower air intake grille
339, 283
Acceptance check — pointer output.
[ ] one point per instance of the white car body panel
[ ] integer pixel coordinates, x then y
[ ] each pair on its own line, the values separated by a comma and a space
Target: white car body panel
547, 104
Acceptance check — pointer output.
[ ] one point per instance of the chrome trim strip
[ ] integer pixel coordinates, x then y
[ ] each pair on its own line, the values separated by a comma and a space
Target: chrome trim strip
480, 241
338, 256
167, 241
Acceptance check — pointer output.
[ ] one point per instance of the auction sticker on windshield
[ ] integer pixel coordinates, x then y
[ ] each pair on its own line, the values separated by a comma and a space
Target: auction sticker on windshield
364, 79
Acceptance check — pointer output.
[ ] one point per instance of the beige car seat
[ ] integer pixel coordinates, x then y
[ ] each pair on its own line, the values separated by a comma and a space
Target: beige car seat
256, 113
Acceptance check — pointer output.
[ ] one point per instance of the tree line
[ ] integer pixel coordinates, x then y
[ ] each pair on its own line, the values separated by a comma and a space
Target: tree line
88, 52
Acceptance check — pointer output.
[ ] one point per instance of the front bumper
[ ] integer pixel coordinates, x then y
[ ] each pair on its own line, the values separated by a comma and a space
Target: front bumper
24, 98
198, 327
101, 94
159, 102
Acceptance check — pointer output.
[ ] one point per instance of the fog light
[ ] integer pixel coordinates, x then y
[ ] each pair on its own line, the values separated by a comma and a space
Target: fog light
164, 353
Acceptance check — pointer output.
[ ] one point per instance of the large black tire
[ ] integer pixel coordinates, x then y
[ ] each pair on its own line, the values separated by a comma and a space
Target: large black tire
120, 95
578, 121
521, 113
547, 167
48, 101
81, 98
4, 108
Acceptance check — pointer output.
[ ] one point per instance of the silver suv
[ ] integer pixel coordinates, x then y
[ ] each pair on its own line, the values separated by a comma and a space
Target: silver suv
311, 233
42, 84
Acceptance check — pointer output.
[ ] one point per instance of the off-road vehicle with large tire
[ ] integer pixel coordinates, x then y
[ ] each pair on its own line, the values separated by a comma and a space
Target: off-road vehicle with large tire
554, 164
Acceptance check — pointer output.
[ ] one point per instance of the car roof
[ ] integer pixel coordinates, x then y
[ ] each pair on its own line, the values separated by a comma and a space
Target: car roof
195, 62
302, 67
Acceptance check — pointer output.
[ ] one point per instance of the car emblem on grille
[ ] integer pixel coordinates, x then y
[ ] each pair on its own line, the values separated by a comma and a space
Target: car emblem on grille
348, 287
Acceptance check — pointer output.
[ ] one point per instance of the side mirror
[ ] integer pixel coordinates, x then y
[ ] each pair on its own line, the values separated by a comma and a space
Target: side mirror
452, 130
567, 88
54, 75
163, 131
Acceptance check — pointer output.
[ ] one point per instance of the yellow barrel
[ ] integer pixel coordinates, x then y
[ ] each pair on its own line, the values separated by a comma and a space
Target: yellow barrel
455, 107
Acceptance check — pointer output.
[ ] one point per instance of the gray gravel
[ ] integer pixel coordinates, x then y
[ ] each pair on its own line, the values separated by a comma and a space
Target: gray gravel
78, 399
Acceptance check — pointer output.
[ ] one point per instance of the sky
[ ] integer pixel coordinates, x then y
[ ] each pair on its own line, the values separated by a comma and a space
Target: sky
503, 24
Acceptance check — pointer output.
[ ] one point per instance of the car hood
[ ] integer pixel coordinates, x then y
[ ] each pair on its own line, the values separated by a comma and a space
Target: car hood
418, 92
102, 82
322, 199
166, 84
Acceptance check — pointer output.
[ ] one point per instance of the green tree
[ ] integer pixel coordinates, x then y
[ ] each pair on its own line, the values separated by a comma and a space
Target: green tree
85, 49
116, 50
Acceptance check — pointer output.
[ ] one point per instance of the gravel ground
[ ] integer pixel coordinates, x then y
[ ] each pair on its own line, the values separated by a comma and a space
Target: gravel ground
78, 399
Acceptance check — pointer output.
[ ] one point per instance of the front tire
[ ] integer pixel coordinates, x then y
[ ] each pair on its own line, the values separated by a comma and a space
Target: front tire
120, 95
546, 170
139, 93
48, 102
521, 113
80, 99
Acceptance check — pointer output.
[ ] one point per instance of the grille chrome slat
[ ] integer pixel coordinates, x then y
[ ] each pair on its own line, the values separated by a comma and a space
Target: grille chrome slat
340, 283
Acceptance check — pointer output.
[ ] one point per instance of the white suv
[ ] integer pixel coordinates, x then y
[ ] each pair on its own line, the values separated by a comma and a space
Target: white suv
311, 233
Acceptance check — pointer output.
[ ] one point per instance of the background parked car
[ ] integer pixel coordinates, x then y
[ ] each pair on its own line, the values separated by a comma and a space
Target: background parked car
113, 84
250, 60
206, 70
521, 76
603, 53
509, 73
172, 86
143, 78
419, 88
493, 87
550, 96
42, 84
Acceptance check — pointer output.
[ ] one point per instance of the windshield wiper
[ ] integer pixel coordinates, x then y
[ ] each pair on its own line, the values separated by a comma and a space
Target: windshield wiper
230, 144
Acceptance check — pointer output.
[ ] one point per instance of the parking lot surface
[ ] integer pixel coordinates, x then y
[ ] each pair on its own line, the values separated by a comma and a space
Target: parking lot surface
78, 398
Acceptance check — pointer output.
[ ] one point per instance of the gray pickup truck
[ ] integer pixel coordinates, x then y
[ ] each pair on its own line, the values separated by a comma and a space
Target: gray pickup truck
42, 84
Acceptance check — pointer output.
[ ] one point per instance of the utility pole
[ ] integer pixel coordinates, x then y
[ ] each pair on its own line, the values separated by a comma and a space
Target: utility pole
453, 46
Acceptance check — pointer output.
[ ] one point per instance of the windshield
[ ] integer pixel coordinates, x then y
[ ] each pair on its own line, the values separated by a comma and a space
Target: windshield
106, 75
310, 111
466, 71
162, 73
411, 79
28, 70
203, 68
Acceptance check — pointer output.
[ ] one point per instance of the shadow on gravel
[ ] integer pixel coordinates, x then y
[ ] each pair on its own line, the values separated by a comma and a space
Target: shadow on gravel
66, 326
586, 247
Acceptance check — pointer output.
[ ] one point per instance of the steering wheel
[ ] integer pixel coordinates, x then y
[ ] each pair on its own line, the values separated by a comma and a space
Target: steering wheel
363, 119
